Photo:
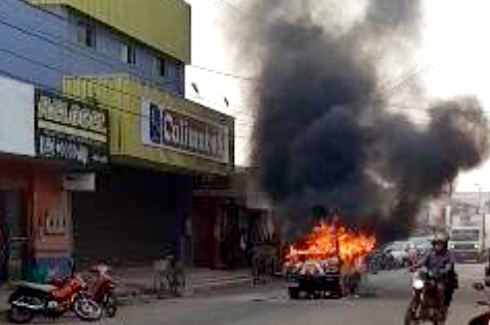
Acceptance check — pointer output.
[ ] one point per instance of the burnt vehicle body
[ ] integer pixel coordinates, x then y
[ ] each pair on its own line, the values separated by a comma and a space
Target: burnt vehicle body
315, 279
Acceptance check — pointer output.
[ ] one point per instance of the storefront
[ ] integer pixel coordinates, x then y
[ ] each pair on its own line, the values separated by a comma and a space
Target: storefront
230, 217
142, 208
133, 218
54, 138
74, 137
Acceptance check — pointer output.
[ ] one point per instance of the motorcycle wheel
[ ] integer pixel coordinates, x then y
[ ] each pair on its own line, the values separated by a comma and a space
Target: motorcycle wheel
410, 318
110, 305
19, 315
87, 309
480, 320
293, 293
440, 317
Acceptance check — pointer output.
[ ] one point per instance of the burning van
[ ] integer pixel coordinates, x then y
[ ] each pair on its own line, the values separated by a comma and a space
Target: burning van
318, 264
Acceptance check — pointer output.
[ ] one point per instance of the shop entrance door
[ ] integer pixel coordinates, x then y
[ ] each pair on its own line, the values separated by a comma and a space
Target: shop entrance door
13, 234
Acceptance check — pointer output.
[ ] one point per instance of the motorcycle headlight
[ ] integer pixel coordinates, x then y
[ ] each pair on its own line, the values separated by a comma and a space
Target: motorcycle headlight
418, 284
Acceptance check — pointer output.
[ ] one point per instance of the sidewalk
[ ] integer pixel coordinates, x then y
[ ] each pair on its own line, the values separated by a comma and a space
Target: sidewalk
137, 282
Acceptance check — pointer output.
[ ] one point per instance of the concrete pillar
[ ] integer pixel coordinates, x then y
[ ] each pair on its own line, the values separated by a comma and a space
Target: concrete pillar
50, 229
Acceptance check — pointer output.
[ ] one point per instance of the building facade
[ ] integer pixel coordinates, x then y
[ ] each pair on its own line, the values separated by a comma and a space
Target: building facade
42, 41
106, 147
46, 138
233, 217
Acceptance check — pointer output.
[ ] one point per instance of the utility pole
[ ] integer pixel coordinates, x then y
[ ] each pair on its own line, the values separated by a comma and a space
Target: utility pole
449, 206
483, 216
479, 197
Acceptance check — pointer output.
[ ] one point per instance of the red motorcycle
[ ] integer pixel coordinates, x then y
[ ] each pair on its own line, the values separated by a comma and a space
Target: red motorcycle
101, 289
52, 300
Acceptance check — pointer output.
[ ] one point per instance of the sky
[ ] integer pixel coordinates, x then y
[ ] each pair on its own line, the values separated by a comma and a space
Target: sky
454, 49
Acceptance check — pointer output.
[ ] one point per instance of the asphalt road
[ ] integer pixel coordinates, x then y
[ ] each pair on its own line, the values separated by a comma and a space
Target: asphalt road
270, 306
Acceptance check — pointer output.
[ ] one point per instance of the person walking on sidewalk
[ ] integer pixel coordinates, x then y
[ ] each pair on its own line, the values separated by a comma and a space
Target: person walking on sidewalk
186, 240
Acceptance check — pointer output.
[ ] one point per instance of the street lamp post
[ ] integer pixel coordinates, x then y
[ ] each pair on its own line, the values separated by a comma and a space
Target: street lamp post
483, 216
479, 197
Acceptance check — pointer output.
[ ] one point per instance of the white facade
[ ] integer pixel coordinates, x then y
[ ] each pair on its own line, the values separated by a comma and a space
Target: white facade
16, 117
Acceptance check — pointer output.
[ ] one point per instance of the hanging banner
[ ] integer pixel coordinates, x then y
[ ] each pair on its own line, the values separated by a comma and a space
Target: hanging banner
70, 131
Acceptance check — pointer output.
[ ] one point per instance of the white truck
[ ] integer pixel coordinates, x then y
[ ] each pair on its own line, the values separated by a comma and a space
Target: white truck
468, 242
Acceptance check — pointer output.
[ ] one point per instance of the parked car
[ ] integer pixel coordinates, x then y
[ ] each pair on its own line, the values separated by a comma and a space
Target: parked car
398, 250
421, 243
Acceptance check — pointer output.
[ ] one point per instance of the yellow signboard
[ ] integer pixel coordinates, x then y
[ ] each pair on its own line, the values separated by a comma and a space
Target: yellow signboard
156, 127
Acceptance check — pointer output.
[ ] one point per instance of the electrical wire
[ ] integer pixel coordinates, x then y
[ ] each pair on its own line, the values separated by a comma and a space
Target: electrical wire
404, 81
66, 20
382, 94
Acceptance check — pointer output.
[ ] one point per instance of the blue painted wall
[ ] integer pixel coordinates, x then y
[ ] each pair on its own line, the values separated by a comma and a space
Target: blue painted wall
40, 46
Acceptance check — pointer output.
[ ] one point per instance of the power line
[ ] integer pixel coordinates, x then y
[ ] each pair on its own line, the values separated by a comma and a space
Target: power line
58, 69
104, 59
392, 90
83, 99
78, 50
226, 74
235, 7
80, 98
62, 71
15, 54
111, 59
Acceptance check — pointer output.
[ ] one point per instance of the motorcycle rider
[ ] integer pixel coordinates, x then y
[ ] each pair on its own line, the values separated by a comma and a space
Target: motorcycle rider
440, 260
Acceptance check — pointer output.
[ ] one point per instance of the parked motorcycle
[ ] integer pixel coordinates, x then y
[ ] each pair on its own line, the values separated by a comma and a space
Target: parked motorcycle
52, 300
483, 319
102, 289
427, 299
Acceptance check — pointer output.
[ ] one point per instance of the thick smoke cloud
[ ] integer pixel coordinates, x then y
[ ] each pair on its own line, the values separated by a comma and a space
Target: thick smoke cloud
325, 134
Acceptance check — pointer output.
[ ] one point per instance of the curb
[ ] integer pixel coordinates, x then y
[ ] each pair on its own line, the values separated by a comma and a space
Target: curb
127, 298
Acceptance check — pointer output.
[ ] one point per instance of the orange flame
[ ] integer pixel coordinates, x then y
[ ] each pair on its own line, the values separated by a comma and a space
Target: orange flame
328, 240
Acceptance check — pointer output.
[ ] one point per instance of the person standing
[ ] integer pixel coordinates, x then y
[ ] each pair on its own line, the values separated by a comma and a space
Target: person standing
4, 249
412, 253
487, 270
186, 240
243, 247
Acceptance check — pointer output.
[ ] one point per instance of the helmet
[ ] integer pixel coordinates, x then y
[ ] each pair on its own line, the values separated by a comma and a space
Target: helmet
439, 237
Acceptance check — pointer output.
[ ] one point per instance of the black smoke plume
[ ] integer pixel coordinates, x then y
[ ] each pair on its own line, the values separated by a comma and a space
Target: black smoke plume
325, 132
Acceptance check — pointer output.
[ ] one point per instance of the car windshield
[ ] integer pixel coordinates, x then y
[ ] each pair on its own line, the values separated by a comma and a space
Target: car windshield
465, 234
